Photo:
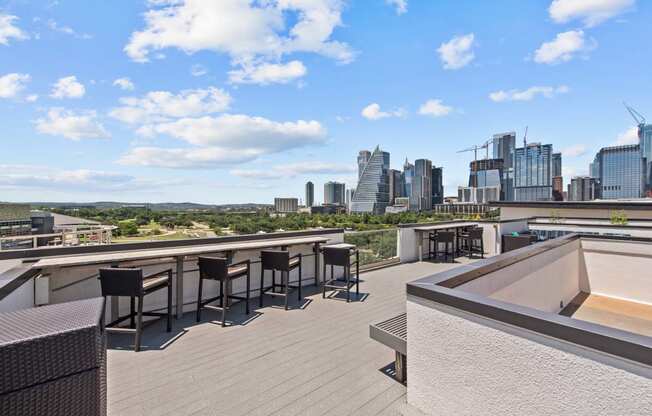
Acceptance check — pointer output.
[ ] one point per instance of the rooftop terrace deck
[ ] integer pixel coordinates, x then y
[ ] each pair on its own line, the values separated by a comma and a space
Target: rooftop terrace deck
316, 360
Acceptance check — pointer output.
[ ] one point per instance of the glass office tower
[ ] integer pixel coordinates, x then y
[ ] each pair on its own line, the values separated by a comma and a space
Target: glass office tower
334, 193
437, 186
421, 198
372, 192
621, 172
310, 194
533, 172
504, 146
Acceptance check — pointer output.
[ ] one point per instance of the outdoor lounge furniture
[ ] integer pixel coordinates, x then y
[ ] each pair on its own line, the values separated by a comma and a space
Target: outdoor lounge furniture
471, 242
218, 268
130, 282
279, 260
447, 238
340, 256
512, 242
393, 333
53, 360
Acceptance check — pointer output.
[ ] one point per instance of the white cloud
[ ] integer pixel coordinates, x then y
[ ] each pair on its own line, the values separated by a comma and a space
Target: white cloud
187, 158
591, 12
528, 94
629, 136
575, 150
79, 180
12, 84
159, 106
224, 140
399, 5
267, 73
32, 98
124, 84
198, 70
457, 52
294, 169
53, 25
71, 125
435, 108
240, 131
563, 48
9, 31
373, 112
68, 87
250, 32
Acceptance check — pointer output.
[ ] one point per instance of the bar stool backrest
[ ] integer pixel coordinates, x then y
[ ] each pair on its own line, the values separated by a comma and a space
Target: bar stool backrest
445, 237
121, 281
337, 256
476, 233
275, 260
213, 267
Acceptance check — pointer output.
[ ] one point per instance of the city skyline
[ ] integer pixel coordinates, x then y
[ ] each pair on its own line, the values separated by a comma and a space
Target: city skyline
96, 111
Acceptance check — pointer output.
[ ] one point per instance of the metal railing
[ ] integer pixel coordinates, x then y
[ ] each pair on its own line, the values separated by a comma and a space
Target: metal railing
376, 247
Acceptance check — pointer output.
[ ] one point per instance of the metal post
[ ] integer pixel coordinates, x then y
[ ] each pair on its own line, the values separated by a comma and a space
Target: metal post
179, 303
315, 249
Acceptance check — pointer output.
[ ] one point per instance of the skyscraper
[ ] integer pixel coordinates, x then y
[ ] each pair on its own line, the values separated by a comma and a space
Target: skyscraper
408, 178
558, 188
363, 158
421, 198
372, 193
582, 188
310, 194
621, 172
504, 146
334, 193
533, 172
396, 185
437, 185
556, 164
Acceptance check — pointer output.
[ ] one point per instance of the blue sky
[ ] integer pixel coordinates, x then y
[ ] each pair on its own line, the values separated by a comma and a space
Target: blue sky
241, 101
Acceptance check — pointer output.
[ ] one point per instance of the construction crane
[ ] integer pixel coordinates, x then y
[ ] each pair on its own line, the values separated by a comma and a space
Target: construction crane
475, 149
638, 117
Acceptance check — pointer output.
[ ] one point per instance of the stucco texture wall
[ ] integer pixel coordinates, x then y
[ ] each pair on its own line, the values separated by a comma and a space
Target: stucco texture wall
462, 365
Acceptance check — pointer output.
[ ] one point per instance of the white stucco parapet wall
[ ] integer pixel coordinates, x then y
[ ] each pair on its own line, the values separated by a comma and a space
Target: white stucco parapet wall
464, 364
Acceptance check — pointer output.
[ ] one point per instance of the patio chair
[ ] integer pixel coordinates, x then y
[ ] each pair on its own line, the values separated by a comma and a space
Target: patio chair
130, 282
471, 242
219, 269
282, 261
337, 256
447, 238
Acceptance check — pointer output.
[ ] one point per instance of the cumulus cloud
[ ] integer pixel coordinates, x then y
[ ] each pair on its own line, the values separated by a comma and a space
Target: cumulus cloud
563, 48
373, 112
224, 140
251, 33
399, 5
434, 108
68, 87
575, 150
124, 84
527, 94
267, 73
629, 136
12, 84
8, 30
71, 125
457, 52
590, 12
160, 106
294, 169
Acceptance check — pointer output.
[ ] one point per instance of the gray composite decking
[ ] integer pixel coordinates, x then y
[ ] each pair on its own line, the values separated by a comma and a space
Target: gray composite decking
315, 359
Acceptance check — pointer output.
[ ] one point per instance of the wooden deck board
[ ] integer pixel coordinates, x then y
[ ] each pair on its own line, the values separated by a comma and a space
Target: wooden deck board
312, 361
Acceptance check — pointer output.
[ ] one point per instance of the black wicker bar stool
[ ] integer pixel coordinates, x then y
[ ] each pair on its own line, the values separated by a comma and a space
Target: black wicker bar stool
130, 282
341, 256
447, 238
282, 261
471, 242
218, 268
